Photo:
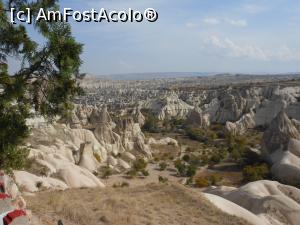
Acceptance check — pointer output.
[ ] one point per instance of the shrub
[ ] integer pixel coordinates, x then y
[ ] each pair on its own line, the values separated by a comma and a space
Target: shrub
191, 170
151, 124
185, 170
196, 134
201, 182
107, 172
163, 166
254, 173
98, 157
145, 173
251, 157
121, 185
163, 179
204, 160
139, 165
180, 167
217, 157
186, 158
195, 160
214, 179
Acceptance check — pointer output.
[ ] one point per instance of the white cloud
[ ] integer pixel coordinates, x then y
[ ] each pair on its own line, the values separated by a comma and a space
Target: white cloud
232, 49
211, 21
232, 22
253, 9
237, 23
190, 25
286, 54
238, 51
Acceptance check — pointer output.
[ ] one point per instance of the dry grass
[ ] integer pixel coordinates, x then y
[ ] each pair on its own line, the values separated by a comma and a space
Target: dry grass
165, 152
153, 204
229, 178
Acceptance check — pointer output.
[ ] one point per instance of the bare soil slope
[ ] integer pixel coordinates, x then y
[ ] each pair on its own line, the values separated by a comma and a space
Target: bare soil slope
153, 204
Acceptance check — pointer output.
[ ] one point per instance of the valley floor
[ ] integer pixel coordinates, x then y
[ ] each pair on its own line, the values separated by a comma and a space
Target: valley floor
150, 204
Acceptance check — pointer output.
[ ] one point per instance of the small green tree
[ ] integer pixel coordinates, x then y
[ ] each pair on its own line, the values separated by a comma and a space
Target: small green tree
45, 82
180, 166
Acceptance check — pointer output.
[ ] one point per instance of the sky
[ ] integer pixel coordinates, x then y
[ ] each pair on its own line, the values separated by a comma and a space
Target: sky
236, 36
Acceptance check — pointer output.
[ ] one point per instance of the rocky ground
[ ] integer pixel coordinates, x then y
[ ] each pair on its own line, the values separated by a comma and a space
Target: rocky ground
168, 151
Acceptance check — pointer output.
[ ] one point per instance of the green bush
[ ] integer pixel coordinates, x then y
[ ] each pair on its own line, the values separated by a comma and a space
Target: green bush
185, 170
181, 168
139, 165
254, 173
163, 166
204, 160
191, 171
186, 158
151, 124
196, 134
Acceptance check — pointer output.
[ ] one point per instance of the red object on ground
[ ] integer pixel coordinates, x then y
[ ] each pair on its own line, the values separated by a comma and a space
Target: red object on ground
9, 218
2, 174
4, 196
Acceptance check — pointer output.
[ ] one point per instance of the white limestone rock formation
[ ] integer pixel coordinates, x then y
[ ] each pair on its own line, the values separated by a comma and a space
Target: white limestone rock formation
250, 107
104, 133
31, 183
74, 121
128, 157
132, 137
272, 202
138, 116
234, 209
197, 118
163, 141
281, 147
232, 107
274, 100
77, 177
241, 126
169, 106
70, 155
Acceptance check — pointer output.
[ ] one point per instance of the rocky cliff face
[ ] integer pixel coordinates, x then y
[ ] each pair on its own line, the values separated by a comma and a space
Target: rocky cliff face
242, 109
68, 156
281, 147
132, 137
196, 117
240, 127
169, 106
279, 133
